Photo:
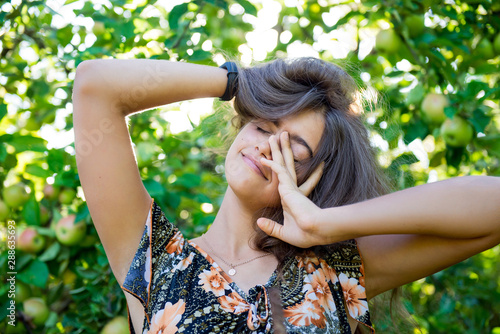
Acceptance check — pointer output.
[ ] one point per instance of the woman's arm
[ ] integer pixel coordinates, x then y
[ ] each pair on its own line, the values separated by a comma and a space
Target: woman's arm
402, 236
458, 208
105, 91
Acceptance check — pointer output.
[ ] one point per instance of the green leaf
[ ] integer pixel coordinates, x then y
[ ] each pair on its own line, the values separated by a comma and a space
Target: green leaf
474, 87
31, 211
491, 143
450, 111
200, 55
27, 143
3, 110
37, 273
37, 170
87, 273
154, 188
3, 152
175, 14
480, 120
248, 6
403, 159
454, 155
416, 95
189, 180
50, 253
437, 159
416, 129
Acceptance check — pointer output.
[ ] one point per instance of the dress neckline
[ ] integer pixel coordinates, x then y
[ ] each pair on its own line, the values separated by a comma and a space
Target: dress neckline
245, 295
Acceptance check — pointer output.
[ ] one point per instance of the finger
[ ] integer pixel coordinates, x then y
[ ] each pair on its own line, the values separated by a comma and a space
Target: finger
307, 187
271, 228
286, 150
281, 171
275, 150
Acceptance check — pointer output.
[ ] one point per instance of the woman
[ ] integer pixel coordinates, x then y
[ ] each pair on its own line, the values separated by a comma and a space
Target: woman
304, 201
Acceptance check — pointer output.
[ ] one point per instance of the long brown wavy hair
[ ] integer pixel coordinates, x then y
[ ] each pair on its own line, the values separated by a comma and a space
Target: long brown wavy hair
351, 174
286, 87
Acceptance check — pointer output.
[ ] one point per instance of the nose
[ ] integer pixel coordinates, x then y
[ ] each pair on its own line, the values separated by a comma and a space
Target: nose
264, 149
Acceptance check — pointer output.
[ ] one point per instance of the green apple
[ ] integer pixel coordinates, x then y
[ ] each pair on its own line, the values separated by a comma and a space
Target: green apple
51, 192
69, 277
118, 325
496, 44
98, 28
36, 309
70, 233
15, 195
4, 211
67, 196
32, 124
30, 241
388, 41
23, 291
89, 241
457, 132
484, 49
415, 24
433, 108
44, 214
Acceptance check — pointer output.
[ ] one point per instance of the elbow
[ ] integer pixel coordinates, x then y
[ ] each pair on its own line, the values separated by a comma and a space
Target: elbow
85, 78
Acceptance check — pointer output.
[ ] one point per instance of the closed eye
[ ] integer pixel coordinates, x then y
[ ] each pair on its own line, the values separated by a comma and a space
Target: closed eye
263, 131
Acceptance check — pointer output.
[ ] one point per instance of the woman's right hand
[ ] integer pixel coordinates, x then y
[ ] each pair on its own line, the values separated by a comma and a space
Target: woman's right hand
301, 226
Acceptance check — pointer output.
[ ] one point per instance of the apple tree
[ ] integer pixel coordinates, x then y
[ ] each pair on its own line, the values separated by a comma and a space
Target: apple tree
429, 72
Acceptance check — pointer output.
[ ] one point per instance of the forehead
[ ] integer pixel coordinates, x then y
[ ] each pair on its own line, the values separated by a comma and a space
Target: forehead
309, 125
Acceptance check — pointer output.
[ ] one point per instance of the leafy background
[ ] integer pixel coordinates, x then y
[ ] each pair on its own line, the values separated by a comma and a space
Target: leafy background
450, 48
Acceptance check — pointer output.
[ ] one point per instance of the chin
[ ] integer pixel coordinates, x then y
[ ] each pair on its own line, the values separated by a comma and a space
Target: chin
252, 195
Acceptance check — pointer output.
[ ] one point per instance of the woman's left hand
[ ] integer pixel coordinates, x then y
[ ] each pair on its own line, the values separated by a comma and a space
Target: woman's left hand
301, 216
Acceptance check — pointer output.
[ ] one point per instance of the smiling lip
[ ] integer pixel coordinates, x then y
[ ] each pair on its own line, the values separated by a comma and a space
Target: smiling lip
254, 165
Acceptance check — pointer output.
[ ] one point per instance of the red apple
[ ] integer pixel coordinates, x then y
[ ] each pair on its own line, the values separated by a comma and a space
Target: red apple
50, 192
457, 132
433, 108
67, 196
37, 310
15, 195
70, 233
118, 325
388, 41
30, 241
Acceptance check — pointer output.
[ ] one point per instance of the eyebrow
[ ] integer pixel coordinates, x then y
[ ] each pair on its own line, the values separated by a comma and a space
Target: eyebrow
297, 139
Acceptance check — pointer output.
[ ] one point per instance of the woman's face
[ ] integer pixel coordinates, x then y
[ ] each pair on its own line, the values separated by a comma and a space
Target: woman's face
255, 184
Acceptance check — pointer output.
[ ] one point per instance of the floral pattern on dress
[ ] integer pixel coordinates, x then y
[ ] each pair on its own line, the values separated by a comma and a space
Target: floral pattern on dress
233, 303
354, 295
183, 290
213, 282
165, 321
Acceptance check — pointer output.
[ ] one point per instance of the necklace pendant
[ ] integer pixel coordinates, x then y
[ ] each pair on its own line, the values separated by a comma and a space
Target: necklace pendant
232, 272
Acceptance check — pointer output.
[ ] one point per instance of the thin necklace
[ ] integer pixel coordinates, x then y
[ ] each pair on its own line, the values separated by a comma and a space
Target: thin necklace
232, 271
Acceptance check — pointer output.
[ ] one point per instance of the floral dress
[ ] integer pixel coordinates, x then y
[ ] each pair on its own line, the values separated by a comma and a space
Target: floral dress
183, 290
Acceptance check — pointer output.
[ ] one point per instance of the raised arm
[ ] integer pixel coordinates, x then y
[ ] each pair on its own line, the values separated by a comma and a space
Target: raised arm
105, 92
402, 236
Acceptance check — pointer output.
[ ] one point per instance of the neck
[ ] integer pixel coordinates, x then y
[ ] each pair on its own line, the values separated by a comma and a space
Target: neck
232, 229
